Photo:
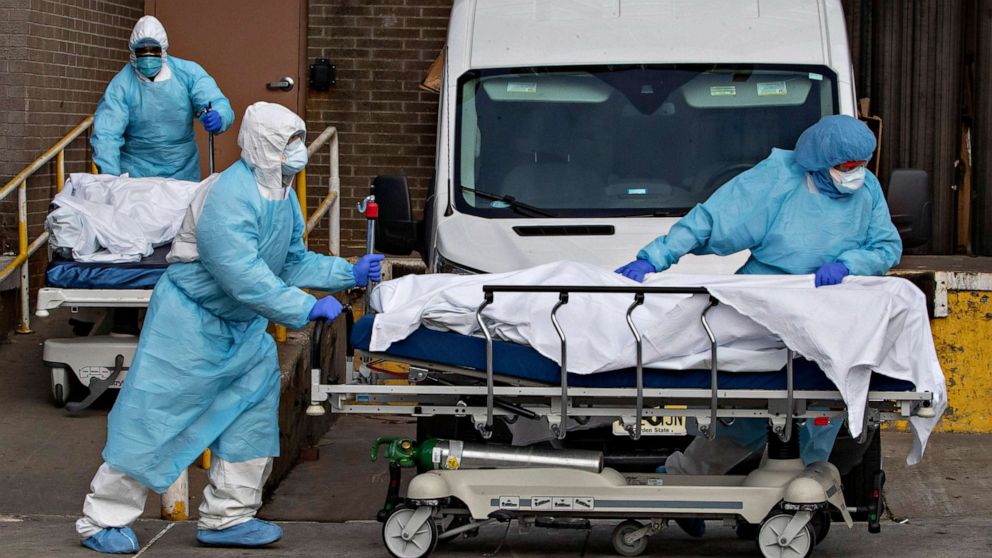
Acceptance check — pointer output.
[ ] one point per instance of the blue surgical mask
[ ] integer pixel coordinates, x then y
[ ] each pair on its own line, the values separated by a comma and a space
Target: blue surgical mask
149, 66
294, 159
848, 182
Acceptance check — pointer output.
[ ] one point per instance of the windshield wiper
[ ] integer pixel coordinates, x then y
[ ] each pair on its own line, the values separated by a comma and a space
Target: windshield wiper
514, 204
674, 212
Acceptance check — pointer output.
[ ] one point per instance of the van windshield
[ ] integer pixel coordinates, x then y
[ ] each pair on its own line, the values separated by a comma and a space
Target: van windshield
623, 141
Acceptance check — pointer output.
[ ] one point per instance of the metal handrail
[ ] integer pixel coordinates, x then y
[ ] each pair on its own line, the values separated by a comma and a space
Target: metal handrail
329, 137
24, 249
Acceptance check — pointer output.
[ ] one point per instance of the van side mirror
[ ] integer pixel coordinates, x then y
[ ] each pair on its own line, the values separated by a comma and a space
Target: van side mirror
910, 205
396, 232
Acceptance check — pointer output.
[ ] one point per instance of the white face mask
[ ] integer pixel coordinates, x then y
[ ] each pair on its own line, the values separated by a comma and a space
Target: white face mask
294, 159
848, 182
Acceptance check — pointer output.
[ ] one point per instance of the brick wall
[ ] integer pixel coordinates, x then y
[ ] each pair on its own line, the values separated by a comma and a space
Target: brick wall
382, 49
56, 58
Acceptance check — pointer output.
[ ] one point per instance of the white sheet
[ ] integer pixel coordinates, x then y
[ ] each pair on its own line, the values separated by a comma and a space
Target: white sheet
867, 323
109, 218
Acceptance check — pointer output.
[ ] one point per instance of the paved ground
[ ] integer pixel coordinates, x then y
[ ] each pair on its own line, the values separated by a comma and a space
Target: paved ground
48, 457
960, 537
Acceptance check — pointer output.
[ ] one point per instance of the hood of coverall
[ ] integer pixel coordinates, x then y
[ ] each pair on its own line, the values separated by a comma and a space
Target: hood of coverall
148, 27
265, 132
833, 140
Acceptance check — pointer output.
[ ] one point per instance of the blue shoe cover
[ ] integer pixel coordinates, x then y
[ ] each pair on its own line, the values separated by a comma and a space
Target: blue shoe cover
248, 534
113, 540
694, 527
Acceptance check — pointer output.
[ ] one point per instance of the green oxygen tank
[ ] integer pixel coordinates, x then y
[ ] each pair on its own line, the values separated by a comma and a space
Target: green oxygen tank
454, 454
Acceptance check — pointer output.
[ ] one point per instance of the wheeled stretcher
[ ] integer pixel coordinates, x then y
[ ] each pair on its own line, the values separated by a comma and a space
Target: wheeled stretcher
486, 380
97, 360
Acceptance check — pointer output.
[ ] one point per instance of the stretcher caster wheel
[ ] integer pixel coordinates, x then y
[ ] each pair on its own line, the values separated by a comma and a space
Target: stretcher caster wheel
60, 386
772, 545
746, 531
418, 544
821, 526
622, 543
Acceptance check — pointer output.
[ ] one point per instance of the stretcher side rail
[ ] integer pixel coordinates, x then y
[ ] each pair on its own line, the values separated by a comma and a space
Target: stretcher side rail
706, 426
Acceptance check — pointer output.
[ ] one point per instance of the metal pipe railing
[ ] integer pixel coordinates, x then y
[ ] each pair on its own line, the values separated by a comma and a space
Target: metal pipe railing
26, 249
328, 137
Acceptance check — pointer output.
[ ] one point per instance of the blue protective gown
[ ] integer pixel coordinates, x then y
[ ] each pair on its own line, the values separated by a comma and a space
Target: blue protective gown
791, 217
206, 373
145, 128
789, 226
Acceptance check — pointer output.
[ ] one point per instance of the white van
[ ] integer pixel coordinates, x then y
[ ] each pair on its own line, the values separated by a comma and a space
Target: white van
582, 130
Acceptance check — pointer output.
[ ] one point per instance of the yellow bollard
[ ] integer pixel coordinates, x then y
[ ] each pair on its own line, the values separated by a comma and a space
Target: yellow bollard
205, 460
175, 499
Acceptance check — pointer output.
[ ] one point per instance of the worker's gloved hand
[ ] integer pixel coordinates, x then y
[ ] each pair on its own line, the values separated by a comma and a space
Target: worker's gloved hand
636, 270
831, 274
368, 268
211, 121
327, 308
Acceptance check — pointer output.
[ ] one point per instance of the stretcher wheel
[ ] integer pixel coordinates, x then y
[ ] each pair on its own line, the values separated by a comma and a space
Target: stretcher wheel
746, 531
770, 546
821, 526
421, 544
621, 546
61, 388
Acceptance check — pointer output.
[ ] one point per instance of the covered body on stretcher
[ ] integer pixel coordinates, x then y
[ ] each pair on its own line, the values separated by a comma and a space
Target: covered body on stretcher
109, 237
108, 241
866, 347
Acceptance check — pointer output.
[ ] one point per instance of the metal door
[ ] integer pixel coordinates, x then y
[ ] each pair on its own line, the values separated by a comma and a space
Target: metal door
248, 46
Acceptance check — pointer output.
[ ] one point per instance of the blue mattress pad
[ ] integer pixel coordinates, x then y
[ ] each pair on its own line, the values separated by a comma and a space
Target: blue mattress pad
524, 362
70, 274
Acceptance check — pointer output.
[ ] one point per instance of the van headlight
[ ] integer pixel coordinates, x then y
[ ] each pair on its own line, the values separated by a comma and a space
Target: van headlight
445, 265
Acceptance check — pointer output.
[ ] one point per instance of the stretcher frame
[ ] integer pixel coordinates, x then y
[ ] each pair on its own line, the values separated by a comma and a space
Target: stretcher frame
51, 298
431, 390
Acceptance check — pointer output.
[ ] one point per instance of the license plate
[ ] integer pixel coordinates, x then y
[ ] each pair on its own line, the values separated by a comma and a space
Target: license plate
667, 426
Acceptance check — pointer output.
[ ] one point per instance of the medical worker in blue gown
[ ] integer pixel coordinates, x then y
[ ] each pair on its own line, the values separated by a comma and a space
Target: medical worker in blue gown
143, 124
816, 210
206, 374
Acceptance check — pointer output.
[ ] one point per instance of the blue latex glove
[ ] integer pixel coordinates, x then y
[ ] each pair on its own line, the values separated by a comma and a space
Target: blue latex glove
831, 274
326, 308
113, 540
211, 121
636, 270
368, 268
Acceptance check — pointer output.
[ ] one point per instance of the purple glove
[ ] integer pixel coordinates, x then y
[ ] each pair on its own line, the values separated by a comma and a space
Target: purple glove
327, 308
831, 274
211, 121
368, 267
636, 270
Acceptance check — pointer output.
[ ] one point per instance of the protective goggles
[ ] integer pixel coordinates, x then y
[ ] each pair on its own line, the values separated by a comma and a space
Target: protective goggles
147, 47
850, 165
